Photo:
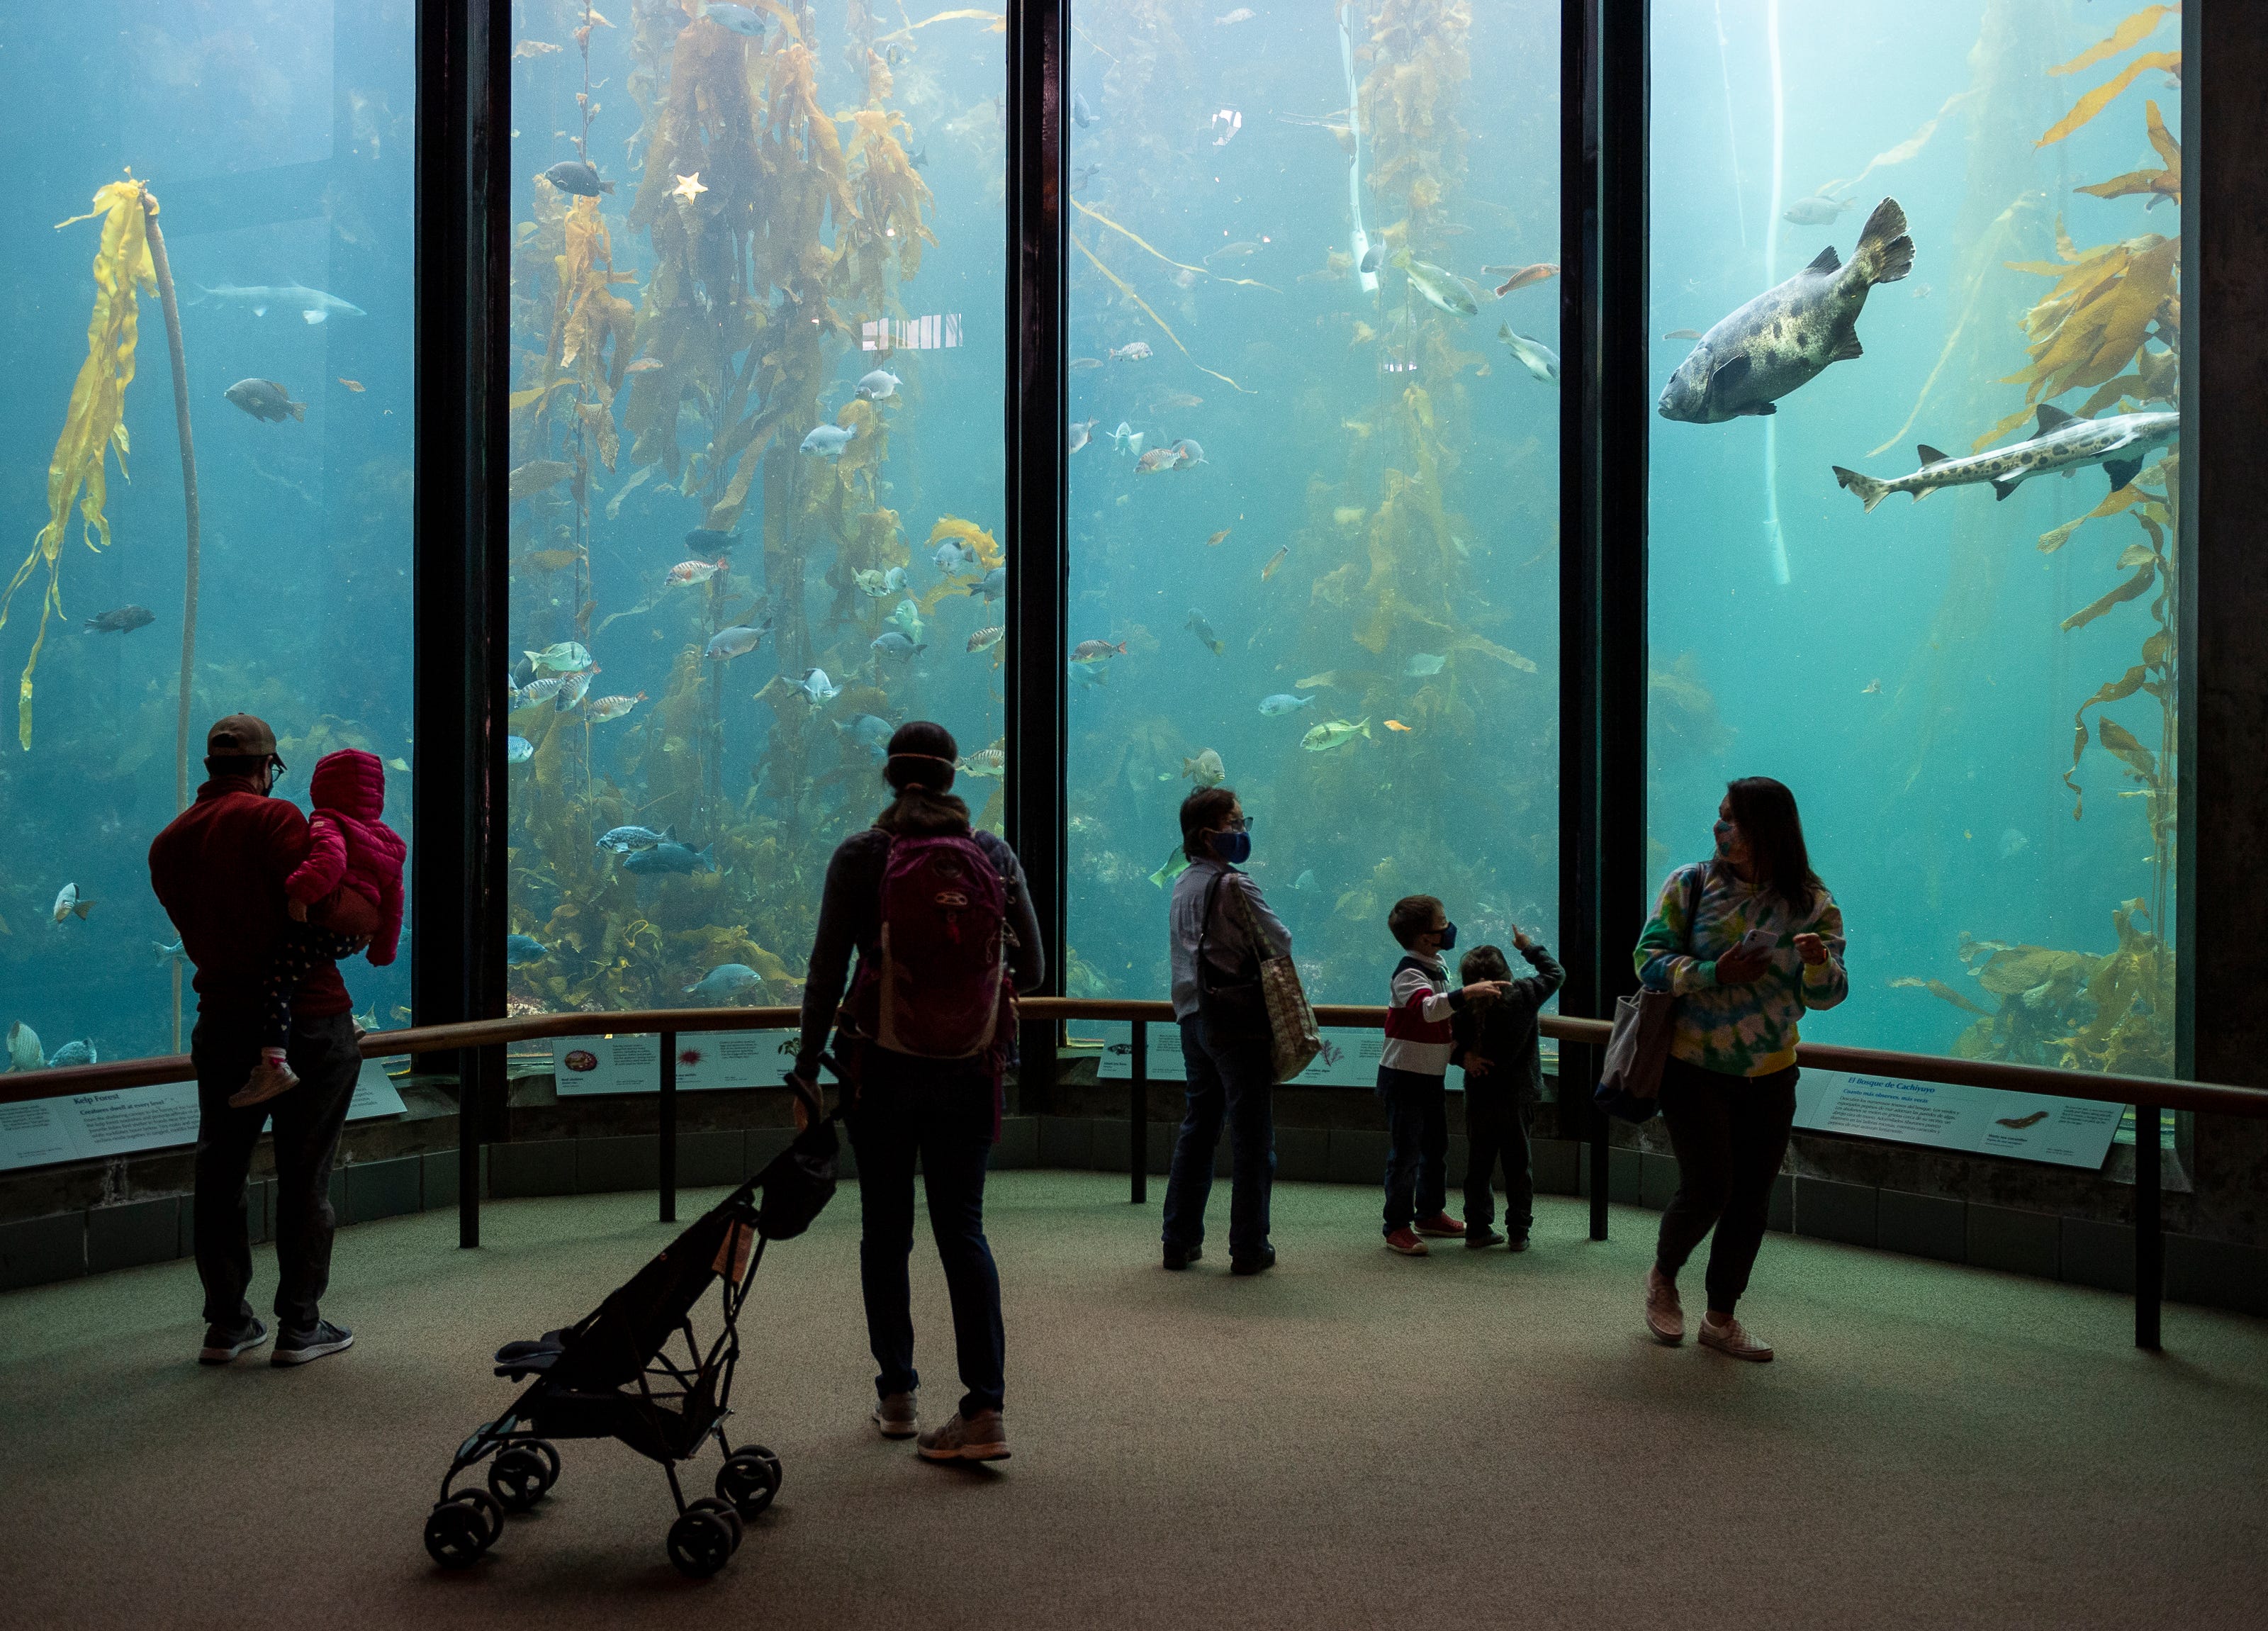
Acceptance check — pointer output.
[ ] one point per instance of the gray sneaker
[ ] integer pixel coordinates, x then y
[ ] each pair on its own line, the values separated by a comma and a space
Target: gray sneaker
1735, 1339
979, 1437
1665, 1316
298, 1347
223, 1346
897, 1415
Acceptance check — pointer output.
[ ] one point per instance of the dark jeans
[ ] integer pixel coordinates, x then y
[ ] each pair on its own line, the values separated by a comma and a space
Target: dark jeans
1729, 1133
1417, 1146
1496, 1127
942, 1114
323, 1056
1236, 1085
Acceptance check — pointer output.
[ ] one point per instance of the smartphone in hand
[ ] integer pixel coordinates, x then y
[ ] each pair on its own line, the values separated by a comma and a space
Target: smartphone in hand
1757, 943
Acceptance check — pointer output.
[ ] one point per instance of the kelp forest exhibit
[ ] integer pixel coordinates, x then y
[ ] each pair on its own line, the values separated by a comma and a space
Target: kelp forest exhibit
2109, 326
1315, 559
725, 581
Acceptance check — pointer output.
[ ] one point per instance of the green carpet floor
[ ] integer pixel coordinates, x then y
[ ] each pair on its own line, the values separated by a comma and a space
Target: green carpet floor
1354, 1440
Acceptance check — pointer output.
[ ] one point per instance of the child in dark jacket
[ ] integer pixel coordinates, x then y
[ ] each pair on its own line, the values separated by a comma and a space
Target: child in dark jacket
1495, 1040
345, 895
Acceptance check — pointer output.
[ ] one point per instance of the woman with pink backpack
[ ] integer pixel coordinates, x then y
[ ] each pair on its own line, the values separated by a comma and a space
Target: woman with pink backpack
942, 920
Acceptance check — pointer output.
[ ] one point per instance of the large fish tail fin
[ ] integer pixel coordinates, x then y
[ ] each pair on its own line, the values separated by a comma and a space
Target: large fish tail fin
1885, 254
1866, 486
299, 410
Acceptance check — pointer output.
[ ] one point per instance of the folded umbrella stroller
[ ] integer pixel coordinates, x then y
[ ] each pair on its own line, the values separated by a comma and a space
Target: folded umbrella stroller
633, 1370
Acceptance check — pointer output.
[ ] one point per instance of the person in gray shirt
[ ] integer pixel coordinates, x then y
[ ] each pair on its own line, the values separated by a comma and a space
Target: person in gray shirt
1215, 913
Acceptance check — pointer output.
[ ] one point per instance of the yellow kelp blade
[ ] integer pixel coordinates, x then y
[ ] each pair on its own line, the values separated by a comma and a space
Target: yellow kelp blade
2129, 33
1244, 283
95, 421
2100, 98
1126, 288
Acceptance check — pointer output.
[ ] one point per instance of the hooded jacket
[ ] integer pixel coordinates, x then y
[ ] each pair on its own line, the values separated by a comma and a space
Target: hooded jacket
349, 846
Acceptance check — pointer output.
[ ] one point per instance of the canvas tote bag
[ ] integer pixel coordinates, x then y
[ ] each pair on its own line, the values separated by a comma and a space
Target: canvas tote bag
1274, 1005
1630, 1078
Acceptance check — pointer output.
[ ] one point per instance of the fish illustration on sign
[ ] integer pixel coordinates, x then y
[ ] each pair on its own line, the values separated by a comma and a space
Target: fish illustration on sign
1786, 336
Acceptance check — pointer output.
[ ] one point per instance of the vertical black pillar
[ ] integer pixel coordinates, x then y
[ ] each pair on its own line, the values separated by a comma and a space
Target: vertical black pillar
457, 912
2222, 858
1602, 498
1038, 570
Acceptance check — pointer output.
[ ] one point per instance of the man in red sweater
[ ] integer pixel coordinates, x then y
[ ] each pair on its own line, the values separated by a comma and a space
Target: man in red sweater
219, 870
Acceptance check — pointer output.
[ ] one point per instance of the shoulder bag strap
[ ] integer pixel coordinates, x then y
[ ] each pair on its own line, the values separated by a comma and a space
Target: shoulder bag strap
1205, 926
1262, 947
1693, 887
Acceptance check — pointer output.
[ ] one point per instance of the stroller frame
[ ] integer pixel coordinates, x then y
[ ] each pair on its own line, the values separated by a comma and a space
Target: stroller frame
666, 1408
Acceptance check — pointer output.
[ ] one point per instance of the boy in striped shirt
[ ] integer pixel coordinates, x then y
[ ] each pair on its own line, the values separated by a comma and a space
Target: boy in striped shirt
1411, 1072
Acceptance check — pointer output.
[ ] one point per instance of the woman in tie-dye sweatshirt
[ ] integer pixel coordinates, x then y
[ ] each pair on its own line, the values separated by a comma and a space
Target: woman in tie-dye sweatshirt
1728, 1089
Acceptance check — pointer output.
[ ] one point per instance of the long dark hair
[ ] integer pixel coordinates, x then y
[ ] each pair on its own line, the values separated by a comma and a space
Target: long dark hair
1764, 811
920, 768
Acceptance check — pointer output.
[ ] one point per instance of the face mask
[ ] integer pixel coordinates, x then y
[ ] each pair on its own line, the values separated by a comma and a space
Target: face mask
1448, 936
1235, 848
1725, 831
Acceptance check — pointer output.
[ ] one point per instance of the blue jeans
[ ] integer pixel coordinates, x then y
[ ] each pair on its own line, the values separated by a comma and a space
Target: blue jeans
942, 1113
1417, 1146
1235, 1084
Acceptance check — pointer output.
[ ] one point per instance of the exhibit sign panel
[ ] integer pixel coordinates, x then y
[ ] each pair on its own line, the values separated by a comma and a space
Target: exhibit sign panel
1984, 1121
82, 1126
707, 1062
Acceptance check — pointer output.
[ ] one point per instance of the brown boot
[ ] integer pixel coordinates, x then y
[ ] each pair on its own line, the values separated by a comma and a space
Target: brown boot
269, 1078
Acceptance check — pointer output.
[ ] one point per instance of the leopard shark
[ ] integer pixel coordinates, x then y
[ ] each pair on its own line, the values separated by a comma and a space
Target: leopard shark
312, 305
1788, 336
2064, 443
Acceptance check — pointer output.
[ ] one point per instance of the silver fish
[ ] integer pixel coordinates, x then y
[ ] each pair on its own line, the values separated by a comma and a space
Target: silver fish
1284, 702
1537, 357
264, 399
815, 685
1816, 211
69, 905
829, 440
735, 642
2119, 442
879, 384
1786, 336
1439, 286
895, 645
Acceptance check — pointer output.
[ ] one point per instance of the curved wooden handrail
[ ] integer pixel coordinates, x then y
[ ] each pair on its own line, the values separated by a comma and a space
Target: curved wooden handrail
2071, 1084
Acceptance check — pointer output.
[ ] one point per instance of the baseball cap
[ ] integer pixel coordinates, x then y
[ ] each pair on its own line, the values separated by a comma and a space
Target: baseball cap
241, 736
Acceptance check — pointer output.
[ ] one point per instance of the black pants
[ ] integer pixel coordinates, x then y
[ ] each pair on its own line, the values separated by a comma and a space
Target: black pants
1232, 1084
323, 1056
943, 1114
303, 948
1496, 1129
1729, 1133
1417, 1146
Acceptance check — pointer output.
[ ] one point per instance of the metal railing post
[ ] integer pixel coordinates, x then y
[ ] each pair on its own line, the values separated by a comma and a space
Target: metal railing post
1138, 1118
1600, 1164
669, 1126
470, 1071
2149, 1236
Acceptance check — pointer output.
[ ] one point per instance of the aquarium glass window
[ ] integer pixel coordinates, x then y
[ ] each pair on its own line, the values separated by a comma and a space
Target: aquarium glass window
756, 460
1972, 697
275, 143
1312, 460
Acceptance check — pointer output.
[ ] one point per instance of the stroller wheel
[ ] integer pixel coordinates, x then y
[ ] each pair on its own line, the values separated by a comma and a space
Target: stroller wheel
519, 1476
455, 1537
749, 1479
700, 1544
723, 1509
485, 1507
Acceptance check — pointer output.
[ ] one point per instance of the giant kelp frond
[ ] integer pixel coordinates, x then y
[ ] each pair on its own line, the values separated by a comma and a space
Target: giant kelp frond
2091, 324
2159, 183
95, 421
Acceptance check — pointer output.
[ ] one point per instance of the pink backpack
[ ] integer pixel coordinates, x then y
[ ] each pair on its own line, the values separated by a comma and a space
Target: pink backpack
938, 983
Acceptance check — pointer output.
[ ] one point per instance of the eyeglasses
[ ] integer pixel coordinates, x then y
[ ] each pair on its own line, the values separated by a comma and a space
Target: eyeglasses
1242, 823
276, 768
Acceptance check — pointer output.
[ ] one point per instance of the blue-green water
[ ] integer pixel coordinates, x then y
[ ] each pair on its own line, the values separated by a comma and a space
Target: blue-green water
277, 139
1358, 489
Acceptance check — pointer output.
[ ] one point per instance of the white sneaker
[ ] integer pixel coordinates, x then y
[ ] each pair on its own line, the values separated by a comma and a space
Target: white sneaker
1665, 1316
1733, 1338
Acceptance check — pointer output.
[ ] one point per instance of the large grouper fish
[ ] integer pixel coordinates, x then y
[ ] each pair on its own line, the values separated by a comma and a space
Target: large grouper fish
1785, 337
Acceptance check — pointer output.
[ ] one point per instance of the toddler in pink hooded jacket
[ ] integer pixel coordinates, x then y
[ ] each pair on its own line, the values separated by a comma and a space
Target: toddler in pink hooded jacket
346, 894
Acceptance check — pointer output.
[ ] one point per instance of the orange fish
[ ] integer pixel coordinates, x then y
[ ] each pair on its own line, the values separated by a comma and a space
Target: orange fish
1395, 725
352, 385
1519, 276
1274, 561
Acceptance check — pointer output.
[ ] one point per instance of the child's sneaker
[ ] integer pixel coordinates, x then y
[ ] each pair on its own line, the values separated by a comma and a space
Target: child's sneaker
1405, 1241
269, 1079
1518, 1243
1442, 1226
1480, 1235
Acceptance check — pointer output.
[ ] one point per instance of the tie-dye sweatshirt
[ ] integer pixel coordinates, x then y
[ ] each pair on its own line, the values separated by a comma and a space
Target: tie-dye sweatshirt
1738, 1030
